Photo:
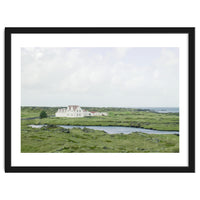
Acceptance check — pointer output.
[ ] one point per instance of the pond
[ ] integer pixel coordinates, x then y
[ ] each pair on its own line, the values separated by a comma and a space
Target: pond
115, 129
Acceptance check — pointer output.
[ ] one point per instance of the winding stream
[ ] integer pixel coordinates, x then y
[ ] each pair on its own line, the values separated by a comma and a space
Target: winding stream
115, 129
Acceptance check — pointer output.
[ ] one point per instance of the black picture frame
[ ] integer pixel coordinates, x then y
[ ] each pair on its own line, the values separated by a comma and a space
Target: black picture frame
190, 31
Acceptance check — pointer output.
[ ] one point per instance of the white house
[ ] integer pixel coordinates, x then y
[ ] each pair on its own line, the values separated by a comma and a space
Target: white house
99, 113
77, 111
71, 111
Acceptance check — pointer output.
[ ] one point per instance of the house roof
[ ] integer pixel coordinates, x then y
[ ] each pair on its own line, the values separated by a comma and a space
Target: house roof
73, 107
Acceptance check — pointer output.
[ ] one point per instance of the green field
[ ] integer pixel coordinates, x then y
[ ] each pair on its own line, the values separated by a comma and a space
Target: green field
50, 139
116, 117
56, 139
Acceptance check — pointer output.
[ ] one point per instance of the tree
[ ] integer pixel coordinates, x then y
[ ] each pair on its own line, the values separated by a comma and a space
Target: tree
43, 114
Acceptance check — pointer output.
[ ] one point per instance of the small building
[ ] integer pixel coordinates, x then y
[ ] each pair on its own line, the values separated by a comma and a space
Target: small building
77, 111
99, 113
104, 114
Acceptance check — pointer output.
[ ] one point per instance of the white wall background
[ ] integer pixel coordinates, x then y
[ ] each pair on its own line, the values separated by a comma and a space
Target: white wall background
90, 13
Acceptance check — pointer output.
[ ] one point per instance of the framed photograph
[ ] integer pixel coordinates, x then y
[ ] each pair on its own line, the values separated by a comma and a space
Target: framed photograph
100, 99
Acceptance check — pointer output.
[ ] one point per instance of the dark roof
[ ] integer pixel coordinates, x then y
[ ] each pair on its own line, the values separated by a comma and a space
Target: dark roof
74, 107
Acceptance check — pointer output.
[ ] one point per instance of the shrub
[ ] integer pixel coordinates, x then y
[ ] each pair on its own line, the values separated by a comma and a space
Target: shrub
87, 130
43, 114
51, 126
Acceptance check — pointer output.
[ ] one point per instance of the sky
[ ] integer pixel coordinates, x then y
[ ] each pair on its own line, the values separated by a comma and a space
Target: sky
100, 76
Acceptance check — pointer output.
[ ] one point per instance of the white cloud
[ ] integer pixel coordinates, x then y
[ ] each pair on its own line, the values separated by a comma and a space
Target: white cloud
99, 77
121, 51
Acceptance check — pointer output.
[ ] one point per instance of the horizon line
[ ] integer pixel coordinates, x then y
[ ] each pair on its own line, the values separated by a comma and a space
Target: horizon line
106, 106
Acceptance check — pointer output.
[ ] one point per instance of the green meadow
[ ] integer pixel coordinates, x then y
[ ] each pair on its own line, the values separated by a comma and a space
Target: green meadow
116, 117
58, 140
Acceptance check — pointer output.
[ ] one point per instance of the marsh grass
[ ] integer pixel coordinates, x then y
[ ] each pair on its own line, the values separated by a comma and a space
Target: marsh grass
53, 139
58, 140
116, 117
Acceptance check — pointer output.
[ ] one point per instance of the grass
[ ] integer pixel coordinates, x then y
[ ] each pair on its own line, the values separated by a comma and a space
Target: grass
29, 112
116, 117
52, 139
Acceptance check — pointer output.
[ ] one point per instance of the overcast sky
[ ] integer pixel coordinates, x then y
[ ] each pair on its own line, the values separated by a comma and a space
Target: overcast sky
110, 77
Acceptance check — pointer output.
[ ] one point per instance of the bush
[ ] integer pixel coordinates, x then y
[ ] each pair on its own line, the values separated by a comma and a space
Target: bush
43, 114
87, 130
51, 126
